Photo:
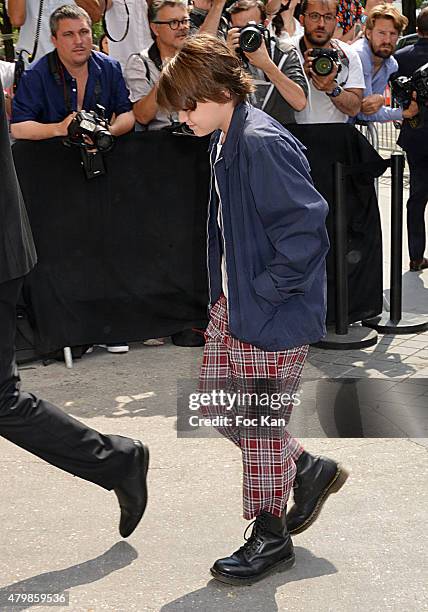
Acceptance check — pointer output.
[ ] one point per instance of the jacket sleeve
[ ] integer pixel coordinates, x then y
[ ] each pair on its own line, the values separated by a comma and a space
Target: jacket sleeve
293, 214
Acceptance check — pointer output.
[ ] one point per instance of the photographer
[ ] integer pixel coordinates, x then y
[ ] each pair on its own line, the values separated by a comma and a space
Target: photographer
208, 16
281, 86
31, 17
415, 142
336, 83
384, 25
69, 79
126, 21
169, 22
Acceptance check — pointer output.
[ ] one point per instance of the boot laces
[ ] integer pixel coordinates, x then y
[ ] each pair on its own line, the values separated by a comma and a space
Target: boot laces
255, 539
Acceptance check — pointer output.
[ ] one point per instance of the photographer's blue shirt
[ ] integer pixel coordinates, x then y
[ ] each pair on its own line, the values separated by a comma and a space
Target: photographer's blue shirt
42, 95
376, 83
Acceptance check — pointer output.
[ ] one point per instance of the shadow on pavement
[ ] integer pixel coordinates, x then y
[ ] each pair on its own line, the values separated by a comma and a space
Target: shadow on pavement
218, 597
117, 557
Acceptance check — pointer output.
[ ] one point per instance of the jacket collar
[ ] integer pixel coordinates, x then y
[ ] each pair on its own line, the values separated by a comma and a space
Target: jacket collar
422, 41
230, 146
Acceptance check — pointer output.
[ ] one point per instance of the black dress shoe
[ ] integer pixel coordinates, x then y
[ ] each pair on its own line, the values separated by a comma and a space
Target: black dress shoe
316, 479
417, 265
132, 491
269, 549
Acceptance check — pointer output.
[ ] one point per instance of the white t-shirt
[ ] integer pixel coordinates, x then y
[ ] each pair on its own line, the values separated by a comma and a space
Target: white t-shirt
320, 108
7, 71
27, 33
138, 36
220, 222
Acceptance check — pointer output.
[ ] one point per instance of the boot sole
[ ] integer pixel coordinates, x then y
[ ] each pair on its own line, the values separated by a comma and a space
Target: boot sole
333, 487
280, 566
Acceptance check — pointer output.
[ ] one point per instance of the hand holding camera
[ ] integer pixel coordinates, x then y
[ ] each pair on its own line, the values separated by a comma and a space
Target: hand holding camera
412, 95
251, 43
322, 66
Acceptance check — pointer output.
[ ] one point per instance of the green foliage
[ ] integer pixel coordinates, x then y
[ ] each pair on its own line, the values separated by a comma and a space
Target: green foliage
97, 31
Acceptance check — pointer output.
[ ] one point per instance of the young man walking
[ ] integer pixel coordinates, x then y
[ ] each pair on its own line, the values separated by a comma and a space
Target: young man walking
267, 244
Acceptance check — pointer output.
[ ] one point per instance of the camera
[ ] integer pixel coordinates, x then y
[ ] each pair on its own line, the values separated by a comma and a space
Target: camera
91, 124
252, 36
403, 88
94, 125
324, 61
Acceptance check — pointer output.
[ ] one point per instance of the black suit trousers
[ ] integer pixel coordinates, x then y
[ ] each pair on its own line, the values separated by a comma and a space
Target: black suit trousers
416, 204
43, 429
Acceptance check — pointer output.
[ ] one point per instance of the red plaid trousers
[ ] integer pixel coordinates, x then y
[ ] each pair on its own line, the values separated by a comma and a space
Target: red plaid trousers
268, 455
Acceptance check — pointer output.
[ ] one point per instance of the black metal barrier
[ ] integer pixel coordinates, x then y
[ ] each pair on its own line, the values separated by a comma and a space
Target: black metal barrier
395, 321
344, 337
122, 257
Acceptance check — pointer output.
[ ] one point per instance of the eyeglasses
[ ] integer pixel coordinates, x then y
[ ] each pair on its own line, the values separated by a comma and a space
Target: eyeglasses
328, 17
174, 24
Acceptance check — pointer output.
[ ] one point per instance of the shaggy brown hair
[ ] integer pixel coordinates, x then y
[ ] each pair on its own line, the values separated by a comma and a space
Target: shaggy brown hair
386, 11
204, 70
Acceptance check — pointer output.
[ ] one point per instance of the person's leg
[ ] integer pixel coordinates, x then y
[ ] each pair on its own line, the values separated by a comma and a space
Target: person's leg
43, 429
268, 467
112, 462
215, 372
416, 205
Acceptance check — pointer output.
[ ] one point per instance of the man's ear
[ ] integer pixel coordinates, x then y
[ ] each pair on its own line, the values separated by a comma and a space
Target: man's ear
154, 29
54, 41
302, 19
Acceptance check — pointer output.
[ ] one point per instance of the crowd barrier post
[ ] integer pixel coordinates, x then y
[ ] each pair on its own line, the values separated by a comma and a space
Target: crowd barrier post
343, 337
395, 321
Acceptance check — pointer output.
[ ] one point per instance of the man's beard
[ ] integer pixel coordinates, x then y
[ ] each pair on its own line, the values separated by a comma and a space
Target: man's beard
383, 54
317, 43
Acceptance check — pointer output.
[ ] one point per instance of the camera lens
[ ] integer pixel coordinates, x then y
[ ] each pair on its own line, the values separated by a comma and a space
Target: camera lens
250, 39
322, 66
104, 140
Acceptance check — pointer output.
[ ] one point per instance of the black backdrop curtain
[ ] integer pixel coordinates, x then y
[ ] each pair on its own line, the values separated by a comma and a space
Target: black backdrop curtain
327, 144
122, 257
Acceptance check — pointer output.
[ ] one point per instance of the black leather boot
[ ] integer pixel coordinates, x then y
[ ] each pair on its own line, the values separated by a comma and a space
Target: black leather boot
316, 479
268, 549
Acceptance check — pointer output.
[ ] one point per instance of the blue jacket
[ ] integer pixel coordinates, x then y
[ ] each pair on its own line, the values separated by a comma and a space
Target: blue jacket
275, 239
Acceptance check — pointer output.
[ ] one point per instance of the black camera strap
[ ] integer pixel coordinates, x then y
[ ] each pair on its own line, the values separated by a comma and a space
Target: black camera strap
56, 69
104, 22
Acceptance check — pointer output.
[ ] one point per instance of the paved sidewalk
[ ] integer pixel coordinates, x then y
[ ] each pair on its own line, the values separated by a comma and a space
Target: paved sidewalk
367, 551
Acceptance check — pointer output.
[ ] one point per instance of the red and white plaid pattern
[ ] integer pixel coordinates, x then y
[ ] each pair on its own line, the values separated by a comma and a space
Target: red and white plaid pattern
269, 456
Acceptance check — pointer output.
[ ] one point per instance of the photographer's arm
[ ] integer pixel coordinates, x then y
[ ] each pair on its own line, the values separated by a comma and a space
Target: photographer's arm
122, 124
272, 7
94, 8
142, 93
292, 92
348, 101
289, 90
17, 11
145, 109
212, 20
33, 130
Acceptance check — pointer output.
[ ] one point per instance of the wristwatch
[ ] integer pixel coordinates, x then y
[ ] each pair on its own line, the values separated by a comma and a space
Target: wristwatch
336, 91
